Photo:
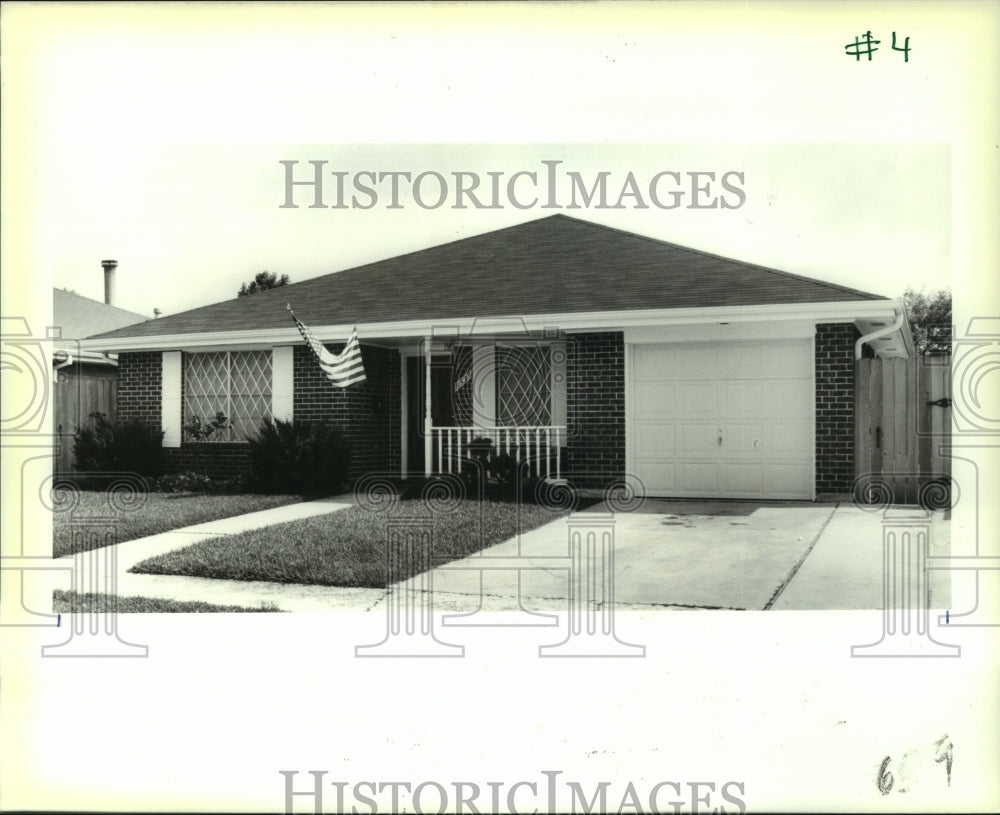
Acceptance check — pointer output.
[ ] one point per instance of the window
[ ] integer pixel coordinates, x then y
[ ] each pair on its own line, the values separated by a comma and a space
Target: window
238, 383
523, 383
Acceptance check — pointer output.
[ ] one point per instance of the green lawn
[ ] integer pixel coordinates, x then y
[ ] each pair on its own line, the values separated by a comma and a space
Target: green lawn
345, 548
161, 512
67, 602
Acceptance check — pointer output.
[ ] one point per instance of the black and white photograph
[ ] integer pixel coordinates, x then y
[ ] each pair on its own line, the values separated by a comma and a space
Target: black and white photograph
512, 408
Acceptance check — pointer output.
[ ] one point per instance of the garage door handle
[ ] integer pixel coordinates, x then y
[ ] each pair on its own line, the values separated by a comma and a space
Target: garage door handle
720, 438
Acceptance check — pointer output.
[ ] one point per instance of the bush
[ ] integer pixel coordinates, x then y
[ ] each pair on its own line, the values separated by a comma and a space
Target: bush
124, 447
500, 470
297, 457
190, 481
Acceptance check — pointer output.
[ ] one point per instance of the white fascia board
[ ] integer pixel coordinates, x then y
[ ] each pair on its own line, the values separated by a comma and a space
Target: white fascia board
446, 328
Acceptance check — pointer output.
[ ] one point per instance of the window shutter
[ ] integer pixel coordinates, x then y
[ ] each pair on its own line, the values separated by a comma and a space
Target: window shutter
282, 382
558, 368
170, 398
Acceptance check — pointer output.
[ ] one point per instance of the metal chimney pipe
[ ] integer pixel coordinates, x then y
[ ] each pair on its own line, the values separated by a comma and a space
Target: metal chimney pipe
109, 280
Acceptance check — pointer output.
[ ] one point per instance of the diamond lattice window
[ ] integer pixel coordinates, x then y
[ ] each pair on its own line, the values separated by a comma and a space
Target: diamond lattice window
524, 387
238, 383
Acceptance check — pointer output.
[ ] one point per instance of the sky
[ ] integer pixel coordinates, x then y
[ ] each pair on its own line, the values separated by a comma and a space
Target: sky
156, 137
189, 223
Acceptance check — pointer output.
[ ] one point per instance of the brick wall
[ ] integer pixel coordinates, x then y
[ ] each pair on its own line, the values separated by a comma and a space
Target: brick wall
214, 459
139, 378
368, 413
595, 406
835, 407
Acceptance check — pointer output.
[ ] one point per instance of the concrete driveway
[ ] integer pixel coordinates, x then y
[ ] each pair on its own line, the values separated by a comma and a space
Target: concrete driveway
694, 554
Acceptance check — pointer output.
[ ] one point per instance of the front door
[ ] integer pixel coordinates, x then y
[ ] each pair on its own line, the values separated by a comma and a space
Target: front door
442, 405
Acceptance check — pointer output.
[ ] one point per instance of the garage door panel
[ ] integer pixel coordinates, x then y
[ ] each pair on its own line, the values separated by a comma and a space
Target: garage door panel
741, 361
655, 401
662, 474
787, 399
698, 477
654, 440
654, 363
695, 362
786, 480
788, 359
759, 396
786, 440
692, 397
697, 439
740, 479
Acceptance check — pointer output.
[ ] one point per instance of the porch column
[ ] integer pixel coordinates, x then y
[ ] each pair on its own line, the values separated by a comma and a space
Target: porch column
428, 422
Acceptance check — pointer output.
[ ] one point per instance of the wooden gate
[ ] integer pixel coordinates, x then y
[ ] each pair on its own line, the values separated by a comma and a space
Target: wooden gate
903, 416
76, 395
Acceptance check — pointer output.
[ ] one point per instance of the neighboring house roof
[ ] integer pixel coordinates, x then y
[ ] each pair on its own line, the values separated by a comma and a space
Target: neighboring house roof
555, 265
80, 317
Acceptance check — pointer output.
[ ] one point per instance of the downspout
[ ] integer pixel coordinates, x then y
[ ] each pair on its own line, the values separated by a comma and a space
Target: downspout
882, 332
61, 365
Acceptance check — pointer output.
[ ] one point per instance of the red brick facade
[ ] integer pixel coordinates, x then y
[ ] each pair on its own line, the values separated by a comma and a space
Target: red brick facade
595, 407
368, 413
139, 378
835, 407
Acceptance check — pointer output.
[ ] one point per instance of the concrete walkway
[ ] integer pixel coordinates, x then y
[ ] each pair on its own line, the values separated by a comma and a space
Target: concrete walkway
672, 554
287, 597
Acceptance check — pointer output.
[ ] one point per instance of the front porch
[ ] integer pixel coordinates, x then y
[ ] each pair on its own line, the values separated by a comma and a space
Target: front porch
500, 397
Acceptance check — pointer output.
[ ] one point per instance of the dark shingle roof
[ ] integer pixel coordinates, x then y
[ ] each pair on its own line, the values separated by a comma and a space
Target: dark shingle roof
554, 265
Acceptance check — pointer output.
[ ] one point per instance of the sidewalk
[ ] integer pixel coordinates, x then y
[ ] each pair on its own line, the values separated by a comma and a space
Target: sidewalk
287, 597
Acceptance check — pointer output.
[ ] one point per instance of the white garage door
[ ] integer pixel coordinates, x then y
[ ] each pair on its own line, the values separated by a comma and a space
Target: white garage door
728, 420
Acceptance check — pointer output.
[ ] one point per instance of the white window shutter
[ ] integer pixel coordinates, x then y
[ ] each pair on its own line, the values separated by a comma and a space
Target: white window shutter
282, 382
558, 384
170, 398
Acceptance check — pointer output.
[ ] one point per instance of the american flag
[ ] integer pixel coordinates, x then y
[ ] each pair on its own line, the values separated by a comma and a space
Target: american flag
341, 369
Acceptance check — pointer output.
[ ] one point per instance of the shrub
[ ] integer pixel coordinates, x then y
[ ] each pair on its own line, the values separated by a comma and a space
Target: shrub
500, 470
190, 481
200, 432
124, 447
298, 457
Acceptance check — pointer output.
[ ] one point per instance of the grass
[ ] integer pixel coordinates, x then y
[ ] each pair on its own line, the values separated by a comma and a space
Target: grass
70, 602
346, 548
161, 512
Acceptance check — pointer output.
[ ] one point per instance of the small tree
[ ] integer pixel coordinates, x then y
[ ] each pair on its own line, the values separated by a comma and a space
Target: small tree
262, 282
930, 320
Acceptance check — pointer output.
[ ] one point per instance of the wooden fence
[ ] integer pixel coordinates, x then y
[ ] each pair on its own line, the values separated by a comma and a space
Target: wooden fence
903, 416
76, 395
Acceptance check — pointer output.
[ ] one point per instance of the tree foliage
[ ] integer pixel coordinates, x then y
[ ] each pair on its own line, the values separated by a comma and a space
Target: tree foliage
930, 320
262, 282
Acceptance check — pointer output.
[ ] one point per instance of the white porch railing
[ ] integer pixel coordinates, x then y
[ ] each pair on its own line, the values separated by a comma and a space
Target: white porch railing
538, 445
